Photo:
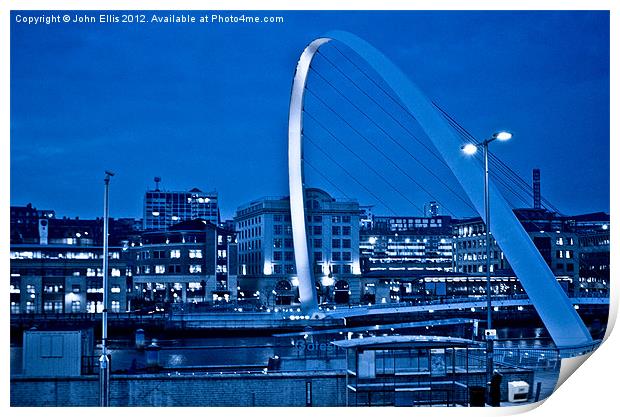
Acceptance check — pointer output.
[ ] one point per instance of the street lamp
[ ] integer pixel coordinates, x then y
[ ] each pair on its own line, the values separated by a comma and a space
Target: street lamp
104, 361
471, 149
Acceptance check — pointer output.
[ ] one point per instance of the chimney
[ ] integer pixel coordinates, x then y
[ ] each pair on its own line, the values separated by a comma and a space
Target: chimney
536, 187
157, 181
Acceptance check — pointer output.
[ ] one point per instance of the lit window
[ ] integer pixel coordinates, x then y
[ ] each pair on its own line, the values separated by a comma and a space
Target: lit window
175, 253
195, 253
116, 272
195, 269
14, 307
75, 306
116, 306
160, 269
115, 289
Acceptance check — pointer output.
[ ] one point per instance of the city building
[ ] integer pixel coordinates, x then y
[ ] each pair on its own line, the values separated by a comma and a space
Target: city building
25, 222
163, 209
554, 236
57, 266
193, 261
594, 260
407, 243
266, 259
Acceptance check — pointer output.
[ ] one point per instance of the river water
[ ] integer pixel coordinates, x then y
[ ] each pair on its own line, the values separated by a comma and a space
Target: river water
253, 352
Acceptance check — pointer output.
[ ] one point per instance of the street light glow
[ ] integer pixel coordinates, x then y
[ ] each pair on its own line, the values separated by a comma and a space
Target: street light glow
470, 149
503, 135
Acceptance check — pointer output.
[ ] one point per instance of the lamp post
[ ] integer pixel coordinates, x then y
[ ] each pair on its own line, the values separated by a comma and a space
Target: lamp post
471, 149
104, 361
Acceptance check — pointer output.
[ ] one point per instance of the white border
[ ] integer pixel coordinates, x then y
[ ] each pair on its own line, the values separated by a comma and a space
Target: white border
592, 391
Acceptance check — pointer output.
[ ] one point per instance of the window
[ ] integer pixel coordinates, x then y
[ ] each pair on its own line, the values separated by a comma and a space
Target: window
289, 269
221, 269
75, 288
48, 307
116, 272
277, 229
336, 256
195, 269
317, 230
277, 256
159, 254
318, 256
91, 307
318, 243
336, 230
288, 256
115, 289
29, 307
277, 217
221, 253
336, 269
346, 230
174, 269
335, 243
336, 219
346, 243
288, 243
14, 307
76, 306
160, 269
195, 253
318, 219
277, 243
175, 253
346, 256
277, 269
570, 267
346, 219
116, 306
346, 269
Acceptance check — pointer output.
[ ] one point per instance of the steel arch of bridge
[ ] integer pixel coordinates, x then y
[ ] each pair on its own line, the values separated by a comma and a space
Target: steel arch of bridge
553, 306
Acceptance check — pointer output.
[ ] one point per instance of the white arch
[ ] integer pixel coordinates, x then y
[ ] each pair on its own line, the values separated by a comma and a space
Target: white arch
553, 306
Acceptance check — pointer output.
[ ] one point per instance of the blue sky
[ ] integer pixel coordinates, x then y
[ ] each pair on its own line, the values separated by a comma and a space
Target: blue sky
206, 105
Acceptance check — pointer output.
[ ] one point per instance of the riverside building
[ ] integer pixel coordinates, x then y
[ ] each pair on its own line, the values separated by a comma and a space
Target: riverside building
191, 262
56, 264
267, 270
162, 209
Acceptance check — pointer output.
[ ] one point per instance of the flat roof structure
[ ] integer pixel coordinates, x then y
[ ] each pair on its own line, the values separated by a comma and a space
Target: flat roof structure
405, 342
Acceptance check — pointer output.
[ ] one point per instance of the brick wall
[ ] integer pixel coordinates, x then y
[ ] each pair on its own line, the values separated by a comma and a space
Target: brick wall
283, 389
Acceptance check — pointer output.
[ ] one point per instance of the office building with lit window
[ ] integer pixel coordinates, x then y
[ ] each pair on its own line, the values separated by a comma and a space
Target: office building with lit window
266, 257
407, 243
57, 266
191, 262
163, 209
594, 260
554, 236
